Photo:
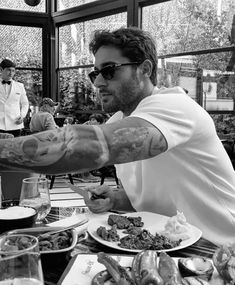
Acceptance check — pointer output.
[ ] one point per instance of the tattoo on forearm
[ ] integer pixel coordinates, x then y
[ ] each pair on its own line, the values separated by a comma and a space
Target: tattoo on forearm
129, 144
80, 148
38, 149
75, 148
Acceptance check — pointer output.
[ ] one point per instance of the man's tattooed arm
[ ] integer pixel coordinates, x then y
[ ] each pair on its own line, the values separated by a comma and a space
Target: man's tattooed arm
80, 148
133, 139
69, 149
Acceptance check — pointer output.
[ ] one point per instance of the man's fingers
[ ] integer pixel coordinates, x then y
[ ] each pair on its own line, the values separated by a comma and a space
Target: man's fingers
99, 206
98, 189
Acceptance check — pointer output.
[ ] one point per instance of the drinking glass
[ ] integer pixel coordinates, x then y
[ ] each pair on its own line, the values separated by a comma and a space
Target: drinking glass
20, 261
35, 193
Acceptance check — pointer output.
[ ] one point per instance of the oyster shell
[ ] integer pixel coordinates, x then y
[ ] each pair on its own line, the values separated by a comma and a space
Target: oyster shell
196, 266
194, 281
224, 261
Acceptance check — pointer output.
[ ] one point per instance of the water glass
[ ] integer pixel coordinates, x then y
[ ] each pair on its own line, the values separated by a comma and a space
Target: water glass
35, 193
20, 262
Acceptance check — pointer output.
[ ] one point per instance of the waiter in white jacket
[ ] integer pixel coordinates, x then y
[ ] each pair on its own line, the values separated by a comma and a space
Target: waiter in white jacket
14, 106
14, 103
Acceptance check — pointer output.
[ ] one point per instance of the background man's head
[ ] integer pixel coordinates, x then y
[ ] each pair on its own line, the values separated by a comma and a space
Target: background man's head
47, 105
8, 69
134, 43
96, 119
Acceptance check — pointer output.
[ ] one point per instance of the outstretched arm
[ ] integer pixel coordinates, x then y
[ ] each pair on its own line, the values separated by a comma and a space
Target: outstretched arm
80, 148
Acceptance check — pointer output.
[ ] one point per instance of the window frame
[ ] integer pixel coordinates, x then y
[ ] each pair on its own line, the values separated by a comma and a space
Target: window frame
51, 20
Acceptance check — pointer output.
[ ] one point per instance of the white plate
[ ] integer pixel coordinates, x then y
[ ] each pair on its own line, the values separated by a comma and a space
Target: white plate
155, 223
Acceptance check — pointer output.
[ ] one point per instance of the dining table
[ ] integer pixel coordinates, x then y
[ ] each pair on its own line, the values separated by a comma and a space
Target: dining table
65, 203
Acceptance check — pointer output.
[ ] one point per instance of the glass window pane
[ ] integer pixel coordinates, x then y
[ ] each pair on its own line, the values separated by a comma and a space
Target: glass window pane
32, 80
180, 26
218, 90
74, 39
178, 71
21, 44
65, 4
206, 78
77, 93
21, 5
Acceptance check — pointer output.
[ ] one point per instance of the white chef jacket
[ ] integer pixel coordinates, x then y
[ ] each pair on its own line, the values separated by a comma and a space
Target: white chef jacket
13, 103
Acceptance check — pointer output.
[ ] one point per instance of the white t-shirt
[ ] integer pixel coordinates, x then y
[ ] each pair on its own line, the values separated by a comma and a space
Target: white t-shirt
194, 176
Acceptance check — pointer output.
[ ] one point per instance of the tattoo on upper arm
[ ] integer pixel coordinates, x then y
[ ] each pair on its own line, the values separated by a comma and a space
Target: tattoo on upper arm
157, 143
129, 144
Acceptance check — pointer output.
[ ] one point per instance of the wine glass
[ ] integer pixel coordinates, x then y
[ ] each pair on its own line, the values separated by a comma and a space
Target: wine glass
35, 194
20, 261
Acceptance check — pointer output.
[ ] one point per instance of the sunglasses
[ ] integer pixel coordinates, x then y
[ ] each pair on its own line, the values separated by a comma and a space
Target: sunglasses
108, 71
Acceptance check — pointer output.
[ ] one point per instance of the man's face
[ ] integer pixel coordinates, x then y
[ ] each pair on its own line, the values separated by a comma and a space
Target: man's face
8, 73
93, 121
123, 91
51, 109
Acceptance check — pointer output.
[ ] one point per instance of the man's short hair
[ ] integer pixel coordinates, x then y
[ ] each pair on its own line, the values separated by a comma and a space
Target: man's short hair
98, 117
134, 43
7, 63
47, 101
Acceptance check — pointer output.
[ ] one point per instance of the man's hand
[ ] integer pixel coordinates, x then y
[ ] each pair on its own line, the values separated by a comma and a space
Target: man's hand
102, 198
19, 120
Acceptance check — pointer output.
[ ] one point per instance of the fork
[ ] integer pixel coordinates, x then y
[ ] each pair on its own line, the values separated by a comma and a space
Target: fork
63, 229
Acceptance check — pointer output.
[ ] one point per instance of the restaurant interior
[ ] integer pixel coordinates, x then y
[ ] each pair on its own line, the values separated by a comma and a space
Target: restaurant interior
49, 41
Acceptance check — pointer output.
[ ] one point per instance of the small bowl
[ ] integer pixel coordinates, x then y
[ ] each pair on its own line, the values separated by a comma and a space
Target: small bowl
50, 257
7, 224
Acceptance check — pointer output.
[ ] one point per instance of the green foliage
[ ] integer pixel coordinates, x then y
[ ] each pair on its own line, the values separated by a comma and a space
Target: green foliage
225, 125
77, 93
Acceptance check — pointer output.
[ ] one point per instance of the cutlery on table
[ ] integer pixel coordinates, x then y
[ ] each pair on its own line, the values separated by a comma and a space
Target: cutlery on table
46, 230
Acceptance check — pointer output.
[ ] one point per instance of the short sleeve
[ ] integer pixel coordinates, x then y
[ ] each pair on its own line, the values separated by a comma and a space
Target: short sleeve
172, 113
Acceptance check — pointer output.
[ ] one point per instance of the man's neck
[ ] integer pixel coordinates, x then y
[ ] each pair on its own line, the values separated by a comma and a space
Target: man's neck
147, 92
6, 79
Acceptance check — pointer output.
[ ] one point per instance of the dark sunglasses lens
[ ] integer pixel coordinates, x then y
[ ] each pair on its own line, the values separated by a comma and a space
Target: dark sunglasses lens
108, 72
92, 75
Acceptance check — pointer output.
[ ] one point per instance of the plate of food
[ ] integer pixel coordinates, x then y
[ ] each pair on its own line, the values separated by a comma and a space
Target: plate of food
147, 266
139, 231
55, 245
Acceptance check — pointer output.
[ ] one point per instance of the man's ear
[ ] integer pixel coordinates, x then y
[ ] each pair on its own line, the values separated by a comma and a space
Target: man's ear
147, 67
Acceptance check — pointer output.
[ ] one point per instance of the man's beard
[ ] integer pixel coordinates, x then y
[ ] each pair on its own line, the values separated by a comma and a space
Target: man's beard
124, 100
112, 106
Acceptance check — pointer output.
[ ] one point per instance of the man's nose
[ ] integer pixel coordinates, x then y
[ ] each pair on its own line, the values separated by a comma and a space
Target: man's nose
100, 81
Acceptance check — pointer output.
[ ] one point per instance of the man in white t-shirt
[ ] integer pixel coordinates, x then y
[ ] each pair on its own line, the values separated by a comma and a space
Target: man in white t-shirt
164, 145
188, 169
